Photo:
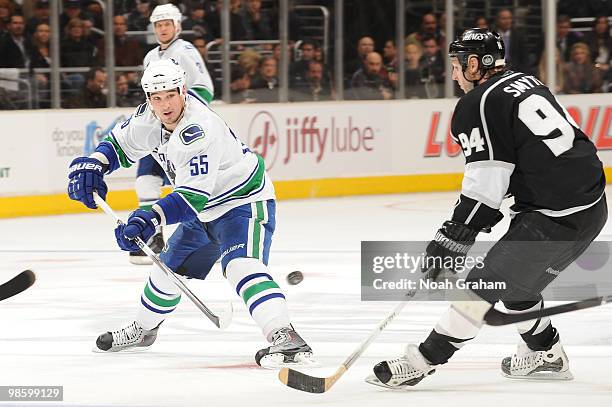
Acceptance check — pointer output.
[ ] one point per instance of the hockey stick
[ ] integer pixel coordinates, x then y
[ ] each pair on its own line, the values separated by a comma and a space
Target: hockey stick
498, 318
312, 384
221, 322
17, 284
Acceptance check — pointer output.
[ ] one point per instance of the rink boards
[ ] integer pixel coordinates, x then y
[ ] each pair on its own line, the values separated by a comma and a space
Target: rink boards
311, 149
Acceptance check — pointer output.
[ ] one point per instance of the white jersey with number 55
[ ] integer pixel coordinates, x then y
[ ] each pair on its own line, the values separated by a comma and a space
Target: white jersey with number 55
207, 164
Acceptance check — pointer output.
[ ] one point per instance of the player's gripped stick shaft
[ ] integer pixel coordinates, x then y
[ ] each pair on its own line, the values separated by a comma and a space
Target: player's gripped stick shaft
221, 321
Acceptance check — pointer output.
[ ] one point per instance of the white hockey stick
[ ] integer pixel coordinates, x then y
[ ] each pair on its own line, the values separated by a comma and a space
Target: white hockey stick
222, 321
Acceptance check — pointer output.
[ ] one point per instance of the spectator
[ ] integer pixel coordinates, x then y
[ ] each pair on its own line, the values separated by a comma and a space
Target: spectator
414, 88
315, 87
138, 20
481, 22
7, 9
238, 30
565, 37
242, 75
389, 71
124, 97
75, 49
365, 45
40, 57
95, 14
128, 51
14, 47
201, 45
514, 41
93, 93
600, 44
265, 83
72, 10
367, 82
432, 68
559, 83
197, 21
256, 21
41, 15
580, 75
429, 28
298, 69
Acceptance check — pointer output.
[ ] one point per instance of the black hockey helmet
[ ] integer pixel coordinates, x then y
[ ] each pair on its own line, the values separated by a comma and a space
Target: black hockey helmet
487, 45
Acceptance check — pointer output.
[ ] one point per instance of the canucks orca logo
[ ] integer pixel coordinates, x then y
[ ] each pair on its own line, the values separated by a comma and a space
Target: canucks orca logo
191, 133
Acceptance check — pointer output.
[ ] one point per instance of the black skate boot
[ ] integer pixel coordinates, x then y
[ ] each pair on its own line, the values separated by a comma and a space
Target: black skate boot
407, 370
287, 349
132, 336
156, 243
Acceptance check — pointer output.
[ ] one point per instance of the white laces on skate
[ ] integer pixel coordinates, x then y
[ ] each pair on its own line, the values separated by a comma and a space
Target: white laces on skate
280, 336
128, 335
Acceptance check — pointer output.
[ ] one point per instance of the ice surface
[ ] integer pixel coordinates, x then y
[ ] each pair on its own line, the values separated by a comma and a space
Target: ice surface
86, 286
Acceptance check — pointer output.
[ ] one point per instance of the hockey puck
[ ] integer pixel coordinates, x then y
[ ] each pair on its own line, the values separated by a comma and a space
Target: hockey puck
295, 277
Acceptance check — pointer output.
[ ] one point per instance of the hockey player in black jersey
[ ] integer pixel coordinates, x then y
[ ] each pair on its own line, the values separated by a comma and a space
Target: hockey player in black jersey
517, 140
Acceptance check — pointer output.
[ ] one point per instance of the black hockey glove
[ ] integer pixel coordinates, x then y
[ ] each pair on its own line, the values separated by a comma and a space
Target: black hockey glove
448, 249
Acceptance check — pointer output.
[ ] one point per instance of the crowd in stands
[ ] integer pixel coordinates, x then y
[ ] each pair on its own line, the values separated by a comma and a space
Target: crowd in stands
370, 67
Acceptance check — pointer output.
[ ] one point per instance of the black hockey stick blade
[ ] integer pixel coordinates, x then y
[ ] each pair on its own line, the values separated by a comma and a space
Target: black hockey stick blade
497, 318
17, 284
310, 384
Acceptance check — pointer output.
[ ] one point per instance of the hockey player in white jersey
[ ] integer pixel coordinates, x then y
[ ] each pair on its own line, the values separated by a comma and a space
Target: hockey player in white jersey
222, 200
166, 20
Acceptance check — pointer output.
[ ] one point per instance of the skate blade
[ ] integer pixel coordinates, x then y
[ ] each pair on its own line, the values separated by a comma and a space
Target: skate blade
133, 349
141, 261
567, 375
372, 379
277, 361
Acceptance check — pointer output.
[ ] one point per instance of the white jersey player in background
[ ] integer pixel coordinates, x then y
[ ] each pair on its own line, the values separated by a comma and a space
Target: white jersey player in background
166, 20
222, 200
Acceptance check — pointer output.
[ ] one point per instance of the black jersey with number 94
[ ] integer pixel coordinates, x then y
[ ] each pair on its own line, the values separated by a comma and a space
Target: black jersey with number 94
517, 139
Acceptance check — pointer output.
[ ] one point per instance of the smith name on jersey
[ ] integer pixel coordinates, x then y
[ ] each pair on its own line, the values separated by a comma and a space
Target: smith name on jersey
524, 143
204, 160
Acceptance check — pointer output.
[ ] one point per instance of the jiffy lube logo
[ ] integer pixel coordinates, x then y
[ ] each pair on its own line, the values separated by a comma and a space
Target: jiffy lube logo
309, 135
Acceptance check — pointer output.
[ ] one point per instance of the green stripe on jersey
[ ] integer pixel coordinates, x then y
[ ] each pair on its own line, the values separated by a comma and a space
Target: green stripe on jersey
259, 217
256, 181
160, 301
125, 163
203, 93
196, 200
257, 288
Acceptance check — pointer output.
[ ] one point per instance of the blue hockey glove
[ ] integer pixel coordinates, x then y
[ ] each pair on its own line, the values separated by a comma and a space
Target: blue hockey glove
448, 249
141, 223
86, 176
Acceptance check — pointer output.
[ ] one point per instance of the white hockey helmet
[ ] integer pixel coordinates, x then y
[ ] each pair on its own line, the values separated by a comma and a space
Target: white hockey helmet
165, 74
167, 12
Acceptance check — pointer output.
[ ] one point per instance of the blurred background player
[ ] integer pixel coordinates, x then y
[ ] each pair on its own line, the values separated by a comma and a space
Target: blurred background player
222, 199
532, 149
166, 20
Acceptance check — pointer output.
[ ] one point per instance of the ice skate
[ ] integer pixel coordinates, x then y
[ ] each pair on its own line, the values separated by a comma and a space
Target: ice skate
551, 364
156, 243
287, 349
407, 370
132, 336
